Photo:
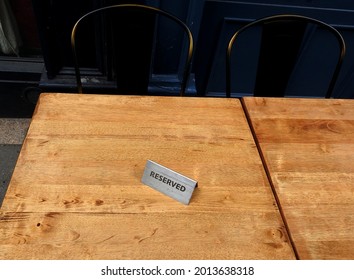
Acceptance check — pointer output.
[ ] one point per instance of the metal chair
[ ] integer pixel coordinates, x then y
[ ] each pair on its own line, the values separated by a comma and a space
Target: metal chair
101, 16
277, 40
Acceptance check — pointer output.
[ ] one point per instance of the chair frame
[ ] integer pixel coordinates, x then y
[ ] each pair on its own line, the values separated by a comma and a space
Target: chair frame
152, 10
274, 18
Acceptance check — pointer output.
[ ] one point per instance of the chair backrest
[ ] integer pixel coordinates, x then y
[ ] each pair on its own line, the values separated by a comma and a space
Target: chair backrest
125, 11
278, 33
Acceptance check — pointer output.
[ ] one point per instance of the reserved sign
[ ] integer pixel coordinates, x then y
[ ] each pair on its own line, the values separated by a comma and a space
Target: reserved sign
168, 182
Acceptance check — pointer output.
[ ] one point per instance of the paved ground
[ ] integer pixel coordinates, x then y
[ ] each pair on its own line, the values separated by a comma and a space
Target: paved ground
8, 158
12, 134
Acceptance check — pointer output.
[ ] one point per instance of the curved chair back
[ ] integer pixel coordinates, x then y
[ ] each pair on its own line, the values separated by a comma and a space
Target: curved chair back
141, 8
293, 19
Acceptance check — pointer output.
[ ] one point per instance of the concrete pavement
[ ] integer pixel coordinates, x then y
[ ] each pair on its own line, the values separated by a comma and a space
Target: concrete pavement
12, 134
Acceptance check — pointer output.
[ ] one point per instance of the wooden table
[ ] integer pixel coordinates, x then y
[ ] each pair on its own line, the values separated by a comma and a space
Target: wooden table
76, 191
308, 149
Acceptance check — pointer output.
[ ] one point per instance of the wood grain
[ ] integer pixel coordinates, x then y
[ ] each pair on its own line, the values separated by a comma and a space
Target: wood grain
308, 147
76, 191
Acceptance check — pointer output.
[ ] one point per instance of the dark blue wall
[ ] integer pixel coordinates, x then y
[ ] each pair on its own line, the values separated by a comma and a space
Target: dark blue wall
221, 18
212, 23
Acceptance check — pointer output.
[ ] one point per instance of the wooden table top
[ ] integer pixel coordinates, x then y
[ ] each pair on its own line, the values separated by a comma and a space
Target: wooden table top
76, 191
308, 148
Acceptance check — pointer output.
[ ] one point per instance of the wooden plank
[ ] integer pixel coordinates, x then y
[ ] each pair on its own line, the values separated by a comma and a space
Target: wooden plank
308, 148
80, 171
140, 236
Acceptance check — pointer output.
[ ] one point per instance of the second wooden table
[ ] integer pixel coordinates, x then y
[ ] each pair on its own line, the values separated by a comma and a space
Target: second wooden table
308, 148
